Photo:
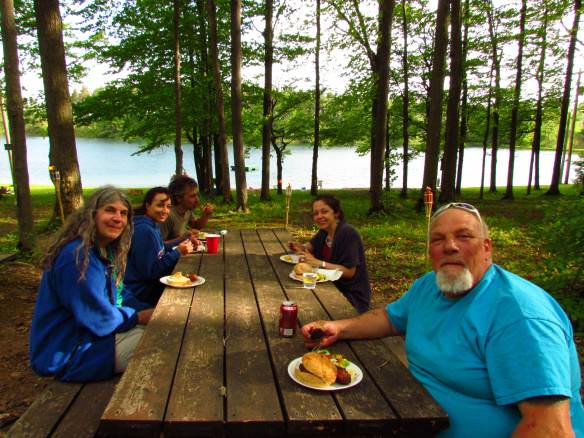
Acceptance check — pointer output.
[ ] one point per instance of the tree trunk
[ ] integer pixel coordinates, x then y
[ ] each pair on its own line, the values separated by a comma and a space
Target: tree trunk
223, 156
536, 142
556, 175
497, 103
14, 106
464, 103
63, 151
515, 107
486, 133
238, 151
314, 176
381, 80
572, 129
406, 103
436, 88
452, 121
267, 110
178, 153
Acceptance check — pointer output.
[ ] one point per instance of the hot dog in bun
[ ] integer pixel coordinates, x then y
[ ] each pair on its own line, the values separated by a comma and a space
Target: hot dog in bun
316, 370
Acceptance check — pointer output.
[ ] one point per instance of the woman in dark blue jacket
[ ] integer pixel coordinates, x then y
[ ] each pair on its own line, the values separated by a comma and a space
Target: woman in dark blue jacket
150, 258
84, 323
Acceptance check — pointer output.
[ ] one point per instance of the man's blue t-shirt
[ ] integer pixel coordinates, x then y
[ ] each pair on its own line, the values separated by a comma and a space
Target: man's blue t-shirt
505, 341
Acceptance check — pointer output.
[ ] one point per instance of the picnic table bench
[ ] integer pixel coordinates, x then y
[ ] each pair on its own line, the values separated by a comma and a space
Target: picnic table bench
211, 363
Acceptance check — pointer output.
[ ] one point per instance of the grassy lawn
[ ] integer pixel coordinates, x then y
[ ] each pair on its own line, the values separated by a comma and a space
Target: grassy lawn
538, 237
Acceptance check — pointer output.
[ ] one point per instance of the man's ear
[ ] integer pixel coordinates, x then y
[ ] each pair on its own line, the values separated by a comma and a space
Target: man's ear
488, 246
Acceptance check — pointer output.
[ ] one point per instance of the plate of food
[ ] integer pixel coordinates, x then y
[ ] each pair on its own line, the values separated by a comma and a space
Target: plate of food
322, 274
180, 280
290, 258
324, 371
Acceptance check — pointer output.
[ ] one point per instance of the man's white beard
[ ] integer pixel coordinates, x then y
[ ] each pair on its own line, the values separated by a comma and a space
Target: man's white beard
457, 284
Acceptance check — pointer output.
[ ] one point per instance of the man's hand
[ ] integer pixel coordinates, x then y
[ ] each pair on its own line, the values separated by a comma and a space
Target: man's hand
144, 316
185, 247
320, 333
207, 210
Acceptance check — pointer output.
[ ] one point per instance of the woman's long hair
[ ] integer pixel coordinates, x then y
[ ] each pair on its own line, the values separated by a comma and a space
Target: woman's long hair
81, 223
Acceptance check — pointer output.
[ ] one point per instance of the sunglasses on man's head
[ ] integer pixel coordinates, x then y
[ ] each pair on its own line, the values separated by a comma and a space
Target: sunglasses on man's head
459, 206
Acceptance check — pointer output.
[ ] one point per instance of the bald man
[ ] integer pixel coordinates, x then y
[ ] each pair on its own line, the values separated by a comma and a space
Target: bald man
494, 350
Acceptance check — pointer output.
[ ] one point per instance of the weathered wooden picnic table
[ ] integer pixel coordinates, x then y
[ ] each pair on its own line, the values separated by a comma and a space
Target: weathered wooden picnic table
211, 361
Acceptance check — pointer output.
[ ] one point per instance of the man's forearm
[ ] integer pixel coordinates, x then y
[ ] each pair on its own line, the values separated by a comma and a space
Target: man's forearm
369, 325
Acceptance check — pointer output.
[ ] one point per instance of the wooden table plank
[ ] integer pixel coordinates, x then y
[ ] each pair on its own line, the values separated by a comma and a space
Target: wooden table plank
363, 406
300, 403
139, 402
82, 419
249, 375
196, 405
44, 414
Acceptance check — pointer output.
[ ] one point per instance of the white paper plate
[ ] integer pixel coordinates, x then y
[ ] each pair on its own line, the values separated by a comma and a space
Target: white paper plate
197, 282
290, 258
293, 276
354, 371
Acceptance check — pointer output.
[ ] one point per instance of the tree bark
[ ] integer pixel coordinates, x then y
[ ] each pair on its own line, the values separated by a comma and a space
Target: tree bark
515, 107
451, 143
268, 119
178, 153
238, 151
314, 176
14, 106
436, 89
406, 103
464, 102
497, 103
63, 150
486, 133
572, 129
381, 79
223, 157
554, 188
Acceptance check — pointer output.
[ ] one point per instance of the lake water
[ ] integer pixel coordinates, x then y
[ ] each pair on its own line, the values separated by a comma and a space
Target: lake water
105, 161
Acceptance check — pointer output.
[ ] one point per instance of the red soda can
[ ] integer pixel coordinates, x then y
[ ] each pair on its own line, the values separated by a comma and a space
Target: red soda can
288, 316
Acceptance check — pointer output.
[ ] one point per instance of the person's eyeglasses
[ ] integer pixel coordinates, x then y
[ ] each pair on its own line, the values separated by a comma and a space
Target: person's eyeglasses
459, 206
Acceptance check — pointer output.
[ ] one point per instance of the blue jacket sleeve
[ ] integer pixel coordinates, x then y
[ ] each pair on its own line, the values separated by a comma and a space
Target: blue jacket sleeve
89, 301
130, 300
149, 258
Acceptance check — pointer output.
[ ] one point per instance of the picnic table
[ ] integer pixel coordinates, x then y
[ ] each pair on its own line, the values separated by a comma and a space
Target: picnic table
211, 361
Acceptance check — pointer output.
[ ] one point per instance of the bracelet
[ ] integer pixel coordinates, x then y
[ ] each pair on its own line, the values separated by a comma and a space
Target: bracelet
323, 264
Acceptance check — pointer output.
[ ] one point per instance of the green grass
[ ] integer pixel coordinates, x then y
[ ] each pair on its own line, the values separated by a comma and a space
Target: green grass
538, 237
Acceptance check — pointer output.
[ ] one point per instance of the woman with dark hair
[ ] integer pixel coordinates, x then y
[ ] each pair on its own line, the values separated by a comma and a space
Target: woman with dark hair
150, 258
337, 245
84, 324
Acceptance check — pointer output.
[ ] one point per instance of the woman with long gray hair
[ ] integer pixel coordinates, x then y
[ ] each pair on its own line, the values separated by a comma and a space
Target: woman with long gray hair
84, 325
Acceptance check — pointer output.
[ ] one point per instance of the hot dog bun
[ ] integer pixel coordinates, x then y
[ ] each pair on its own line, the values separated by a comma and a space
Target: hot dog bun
320, 371
301, 268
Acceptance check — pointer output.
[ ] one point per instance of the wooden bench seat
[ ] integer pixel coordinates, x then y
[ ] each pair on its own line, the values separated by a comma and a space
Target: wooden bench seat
65, 410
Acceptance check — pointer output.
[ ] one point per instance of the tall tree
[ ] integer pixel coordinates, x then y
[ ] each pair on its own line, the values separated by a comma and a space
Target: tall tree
406, 102
63, 150
238, 151
223, 177
486, 131
447, 187
26, 239
464, 101
572, 129
267, 107
516, 97
314, 175
496, 59
536, 142
554, 188
435, 110
177, 89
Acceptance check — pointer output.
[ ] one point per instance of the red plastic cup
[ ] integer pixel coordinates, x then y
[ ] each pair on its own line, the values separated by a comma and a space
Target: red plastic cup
212, 243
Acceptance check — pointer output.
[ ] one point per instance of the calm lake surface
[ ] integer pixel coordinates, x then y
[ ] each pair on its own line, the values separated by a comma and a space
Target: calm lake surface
111, 162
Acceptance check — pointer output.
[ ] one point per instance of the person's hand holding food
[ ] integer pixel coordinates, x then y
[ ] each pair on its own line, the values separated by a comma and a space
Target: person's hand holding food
193, 235
295, 246
308, 257
185, 247
207, 210
320, 333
